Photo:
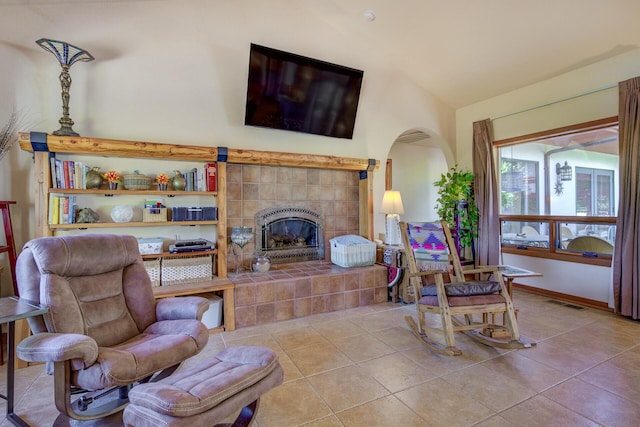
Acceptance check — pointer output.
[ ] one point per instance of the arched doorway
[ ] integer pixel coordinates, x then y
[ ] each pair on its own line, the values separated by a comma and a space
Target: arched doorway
416, 159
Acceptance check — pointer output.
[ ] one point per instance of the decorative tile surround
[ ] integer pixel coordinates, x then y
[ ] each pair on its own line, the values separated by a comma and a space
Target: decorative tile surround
332, 193
301, 289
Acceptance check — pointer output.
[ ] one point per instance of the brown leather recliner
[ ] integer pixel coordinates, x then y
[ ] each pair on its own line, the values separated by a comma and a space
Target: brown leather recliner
104, 329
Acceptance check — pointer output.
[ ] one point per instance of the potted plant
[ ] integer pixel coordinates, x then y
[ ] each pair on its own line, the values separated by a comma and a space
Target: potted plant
456, 206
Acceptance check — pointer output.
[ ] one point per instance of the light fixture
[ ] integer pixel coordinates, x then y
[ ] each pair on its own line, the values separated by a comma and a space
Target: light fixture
564, 172
392, 206
66, 54
369, 15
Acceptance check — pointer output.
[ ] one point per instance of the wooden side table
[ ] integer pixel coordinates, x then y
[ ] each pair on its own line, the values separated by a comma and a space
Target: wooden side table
11, 310
510, 273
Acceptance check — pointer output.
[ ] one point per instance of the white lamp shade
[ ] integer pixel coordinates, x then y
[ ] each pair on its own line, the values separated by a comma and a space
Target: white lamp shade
392, 206
392, 203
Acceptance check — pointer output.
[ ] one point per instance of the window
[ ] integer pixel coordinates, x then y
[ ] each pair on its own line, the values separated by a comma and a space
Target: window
594, 192
519, 186
559, 183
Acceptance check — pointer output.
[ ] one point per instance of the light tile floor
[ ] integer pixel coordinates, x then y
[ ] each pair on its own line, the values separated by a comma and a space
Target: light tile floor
363, 367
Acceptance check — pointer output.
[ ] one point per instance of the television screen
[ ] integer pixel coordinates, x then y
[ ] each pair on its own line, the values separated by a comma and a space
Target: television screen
300, 94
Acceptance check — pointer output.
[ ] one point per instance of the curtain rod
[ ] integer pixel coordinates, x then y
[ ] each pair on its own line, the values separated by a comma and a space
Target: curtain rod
556, 101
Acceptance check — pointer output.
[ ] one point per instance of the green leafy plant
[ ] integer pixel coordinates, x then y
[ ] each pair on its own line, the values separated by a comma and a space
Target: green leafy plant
456, 201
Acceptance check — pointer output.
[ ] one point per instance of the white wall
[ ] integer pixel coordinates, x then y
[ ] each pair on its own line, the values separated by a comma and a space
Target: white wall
575, 279
415, 168
175, 72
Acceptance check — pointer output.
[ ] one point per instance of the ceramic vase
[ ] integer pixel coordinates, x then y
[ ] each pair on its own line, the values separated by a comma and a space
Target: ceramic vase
93, 178
178, 181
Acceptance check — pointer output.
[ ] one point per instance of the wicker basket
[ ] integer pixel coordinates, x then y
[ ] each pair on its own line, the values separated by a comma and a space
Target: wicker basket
153, 270
189, 269
137, 181
154, 215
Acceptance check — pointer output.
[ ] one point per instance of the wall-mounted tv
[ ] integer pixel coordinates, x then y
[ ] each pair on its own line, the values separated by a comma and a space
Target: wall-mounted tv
296, 93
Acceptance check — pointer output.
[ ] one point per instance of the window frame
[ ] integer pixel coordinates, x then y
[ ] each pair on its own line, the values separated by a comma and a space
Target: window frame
554, 252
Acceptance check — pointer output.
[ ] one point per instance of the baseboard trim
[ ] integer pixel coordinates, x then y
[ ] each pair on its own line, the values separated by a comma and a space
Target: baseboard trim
564, 297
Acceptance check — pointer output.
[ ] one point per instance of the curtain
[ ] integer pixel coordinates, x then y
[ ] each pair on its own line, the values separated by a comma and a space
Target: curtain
486, 193
626, 261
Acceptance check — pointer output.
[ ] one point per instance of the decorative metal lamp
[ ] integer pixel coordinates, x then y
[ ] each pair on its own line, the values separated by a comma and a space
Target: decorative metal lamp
392, 206
565, 173
67, 54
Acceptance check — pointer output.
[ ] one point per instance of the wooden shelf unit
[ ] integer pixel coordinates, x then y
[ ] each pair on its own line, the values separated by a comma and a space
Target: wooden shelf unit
43, 146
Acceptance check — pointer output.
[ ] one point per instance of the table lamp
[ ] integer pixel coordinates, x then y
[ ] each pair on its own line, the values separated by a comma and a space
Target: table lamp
392, 207
66, 54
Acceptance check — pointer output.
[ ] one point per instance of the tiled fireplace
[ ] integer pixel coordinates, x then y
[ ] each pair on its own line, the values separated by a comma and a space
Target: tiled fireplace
331, 194
289, 234
323, 204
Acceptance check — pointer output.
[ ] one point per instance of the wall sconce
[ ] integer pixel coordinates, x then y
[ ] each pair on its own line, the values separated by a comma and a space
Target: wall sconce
67, 55
565, 173
392, 206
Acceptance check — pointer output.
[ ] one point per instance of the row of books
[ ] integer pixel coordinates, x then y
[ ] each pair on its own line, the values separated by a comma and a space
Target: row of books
70, 174
62, 209
202, 179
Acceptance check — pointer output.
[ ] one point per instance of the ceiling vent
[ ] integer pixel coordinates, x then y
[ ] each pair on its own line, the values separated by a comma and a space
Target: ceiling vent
413, 136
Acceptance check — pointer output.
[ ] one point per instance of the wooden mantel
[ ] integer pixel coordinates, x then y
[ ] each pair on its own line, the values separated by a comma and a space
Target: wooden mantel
120, 148
36, 141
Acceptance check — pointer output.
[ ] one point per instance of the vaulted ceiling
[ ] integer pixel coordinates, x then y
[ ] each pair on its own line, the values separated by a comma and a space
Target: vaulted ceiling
461, 51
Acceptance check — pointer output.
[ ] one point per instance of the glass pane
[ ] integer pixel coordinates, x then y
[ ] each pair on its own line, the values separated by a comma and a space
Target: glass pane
589, 239
525, 234
565, 175
519, 186
583, 193
604, 203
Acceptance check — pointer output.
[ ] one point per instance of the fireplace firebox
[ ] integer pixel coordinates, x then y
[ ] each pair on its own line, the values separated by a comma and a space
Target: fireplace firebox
289, 234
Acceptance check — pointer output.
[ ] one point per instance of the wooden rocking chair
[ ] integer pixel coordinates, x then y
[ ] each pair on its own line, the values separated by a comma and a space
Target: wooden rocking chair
432, 245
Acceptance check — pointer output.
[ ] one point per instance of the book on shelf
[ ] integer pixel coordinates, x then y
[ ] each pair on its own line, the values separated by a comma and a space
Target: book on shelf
68, 174
211, 174
62, 209
54, 209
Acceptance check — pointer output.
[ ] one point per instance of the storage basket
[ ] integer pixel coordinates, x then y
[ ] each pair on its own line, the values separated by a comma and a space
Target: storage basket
137, 181
150, 245
153, 270
352, 251
154, 214
188, 269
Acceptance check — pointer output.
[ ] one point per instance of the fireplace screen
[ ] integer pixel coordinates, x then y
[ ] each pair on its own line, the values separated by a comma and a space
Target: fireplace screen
289, 234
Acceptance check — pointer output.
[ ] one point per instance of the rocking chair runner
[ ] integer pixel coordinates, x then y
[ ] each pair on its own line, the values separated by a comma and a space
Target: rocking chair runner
458, 301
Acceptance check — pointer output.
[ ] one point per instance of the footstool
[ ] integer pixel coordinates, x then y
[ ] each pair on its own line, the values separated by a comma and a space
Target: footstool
208, 392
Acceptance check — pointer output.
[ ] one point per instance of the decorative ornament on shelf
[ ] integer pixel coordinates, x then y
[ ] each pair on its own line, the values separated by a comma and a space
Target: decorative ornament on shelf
121, 213
112, 178
87, 216
178, 182
67, 55
163, 180
93, 178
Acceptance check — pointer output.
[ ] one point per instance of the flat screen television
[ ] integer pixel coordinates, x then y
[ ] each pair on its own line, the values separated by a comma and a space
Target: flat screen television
296, 93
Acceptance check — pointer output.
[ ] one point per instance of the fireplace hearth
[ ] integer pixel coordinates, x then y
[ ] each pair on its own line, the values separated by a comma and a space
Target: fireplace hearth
289, 234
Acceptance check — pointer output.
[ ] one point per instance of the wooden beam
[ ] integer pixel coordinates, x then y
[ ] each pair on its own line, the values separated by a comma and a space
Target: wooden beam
111, 147
276, 158
141, 149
